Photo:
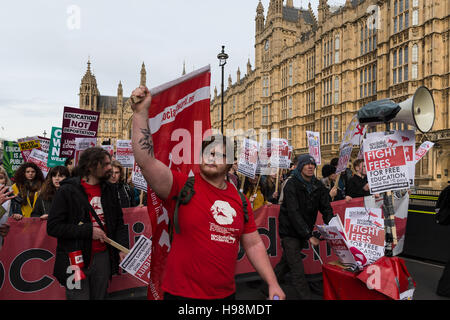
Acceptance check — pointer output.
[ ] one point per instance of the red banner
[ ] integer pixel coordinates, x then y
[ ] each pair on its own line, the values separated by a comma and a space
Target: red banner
28, 256
179, 118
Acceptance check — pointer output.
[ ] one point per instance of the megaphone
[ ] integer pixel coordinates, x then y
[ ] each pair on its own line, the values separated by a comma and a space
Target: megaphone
417, 111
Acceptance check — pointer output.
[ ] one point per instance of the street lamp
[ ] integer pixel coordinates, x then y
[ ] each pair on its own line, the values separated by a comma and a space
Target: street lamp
222, 56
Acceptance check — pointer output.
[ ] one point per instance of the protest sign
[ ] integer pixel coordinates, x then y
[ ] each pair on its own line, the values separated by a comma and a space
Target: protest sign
12, 157
28, 144
314, 145
385, 162
109, 148
77, 123
138, 179
344, 157
82, 144
55, 146
264, 154
137, 261
364, 228
279, 154
124, 153
354, 133
422, 150
408, 141
248, 159
336, 239
39, 157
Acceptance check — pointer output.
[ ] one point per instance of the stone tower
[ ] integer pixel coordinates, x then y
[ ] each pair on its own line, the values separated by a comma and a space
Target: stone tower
88, 90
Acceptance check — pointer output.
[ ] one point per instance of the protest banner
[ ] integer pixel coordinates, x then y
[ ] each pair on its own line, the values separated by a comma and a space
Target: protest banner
364, 228
408, 141
138, 179
28, 144
12, 157
264, 154
422, 150
45, 143
39, 157
124, 153
82, 144
28, 255
109, 148
137, 261
354, 133
179, 110
54, 149
248, 159
385, 162
314, 146
335, 238
344, 158
279, 154
77, 123
401, 204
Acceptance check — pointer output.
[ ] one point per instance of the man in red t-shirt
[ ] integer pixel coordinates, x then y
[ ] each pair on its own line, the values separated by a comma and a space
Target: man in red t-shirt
202, 260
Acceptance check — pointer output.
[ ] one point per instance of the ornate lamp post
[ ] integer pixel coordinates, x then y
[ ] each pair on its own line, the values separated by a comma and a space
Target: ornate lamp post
222, 56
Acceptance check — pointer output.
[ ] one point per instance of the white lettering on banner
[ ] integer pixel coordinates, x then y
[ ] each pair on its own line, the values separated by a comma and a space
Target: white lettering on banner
78, 116
164, 240
169, 113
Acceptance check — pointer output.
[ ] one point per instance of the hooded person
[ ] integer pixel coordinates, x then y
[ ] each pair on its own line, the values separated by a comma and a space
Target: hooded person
304, 197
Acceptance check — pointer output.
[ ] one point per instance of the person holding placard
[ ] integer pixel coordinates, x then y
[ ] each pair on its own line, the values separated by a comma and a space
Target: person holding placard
304, 196
329, 181
357, 185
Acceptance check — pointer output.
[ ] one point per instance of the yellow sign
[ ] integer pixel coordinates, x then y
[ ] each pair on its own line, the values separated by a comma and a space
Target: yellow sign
29, 145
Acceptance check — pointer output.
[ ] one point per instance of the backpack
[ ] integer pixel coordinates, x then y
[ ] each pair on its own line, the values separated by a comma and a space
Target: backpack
443, 207
185, 195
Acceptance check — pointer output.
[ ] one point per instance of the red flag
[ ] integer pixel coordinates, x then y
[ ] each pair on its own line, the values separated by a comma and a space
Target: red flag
178, 119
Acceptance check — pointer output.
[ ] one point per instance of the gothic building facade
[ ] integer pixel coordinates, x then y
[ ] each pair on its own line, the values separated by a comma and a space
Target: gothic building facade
314, 73
115, 111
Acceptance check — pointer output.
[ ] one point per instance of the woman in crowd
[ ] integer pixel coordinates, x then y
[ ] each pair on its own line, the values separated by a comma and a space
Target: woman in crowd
269, 187
28, 181
124, 191
5, 181
329, 181
49, 188
253, 192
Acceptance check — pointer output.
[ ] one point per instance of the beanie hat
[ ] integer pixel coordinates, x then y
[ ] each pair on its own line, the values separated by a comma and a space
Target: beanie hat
305, 159
328, 170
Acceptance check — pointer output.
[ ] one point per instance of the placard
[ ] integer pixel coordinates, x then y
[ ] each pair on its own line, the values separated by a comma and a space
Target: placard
248, 159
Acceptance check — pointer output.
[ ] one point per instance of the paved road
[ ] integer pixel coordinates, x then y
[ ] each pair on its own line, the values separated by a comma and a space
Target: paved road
425, 274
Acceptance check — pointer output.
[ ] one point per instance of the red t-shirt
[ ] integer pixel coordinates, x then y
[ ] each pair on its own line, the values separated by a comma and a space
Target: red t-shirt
94, 194
202, 260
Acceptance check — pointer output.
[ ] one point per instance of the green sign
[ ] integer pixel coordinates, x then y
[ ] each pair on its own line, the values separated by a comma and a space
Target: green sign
53, 152
12, 157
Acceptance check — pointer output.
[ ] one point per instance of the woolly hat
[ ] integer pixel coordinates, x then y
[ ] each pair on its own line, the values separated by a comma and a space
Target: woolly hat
328, 170
305, 159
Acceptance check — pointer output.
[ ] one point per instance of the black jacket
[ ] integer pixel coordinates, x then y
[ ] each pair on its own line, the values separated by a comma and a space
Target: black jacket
126, 195
298, 212
69, 221
41, 207
355, 187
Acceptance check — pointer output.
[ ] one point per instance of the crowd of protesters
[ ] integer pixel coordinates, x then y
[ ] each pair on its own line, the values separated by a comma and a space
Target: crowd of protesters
100, 186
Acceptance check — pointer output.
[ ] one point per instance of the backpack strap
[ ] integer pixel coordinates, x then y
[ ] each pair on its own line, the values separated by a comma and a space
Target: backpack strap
185, 195
244, 205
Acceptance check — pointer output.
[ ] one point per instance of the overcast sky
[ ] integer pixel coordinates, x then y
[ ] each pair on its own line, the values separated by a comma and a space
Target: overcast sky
44, 50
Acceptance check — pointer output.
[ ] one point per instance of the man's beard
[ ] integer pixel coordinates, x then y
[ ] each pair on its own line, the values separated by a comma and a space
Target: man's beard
105, 177
212, 175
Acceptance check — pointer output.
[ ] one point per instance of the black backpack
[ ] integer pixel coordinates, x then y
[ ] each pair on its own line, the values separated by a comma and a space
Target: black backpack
443, 204
185, 195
